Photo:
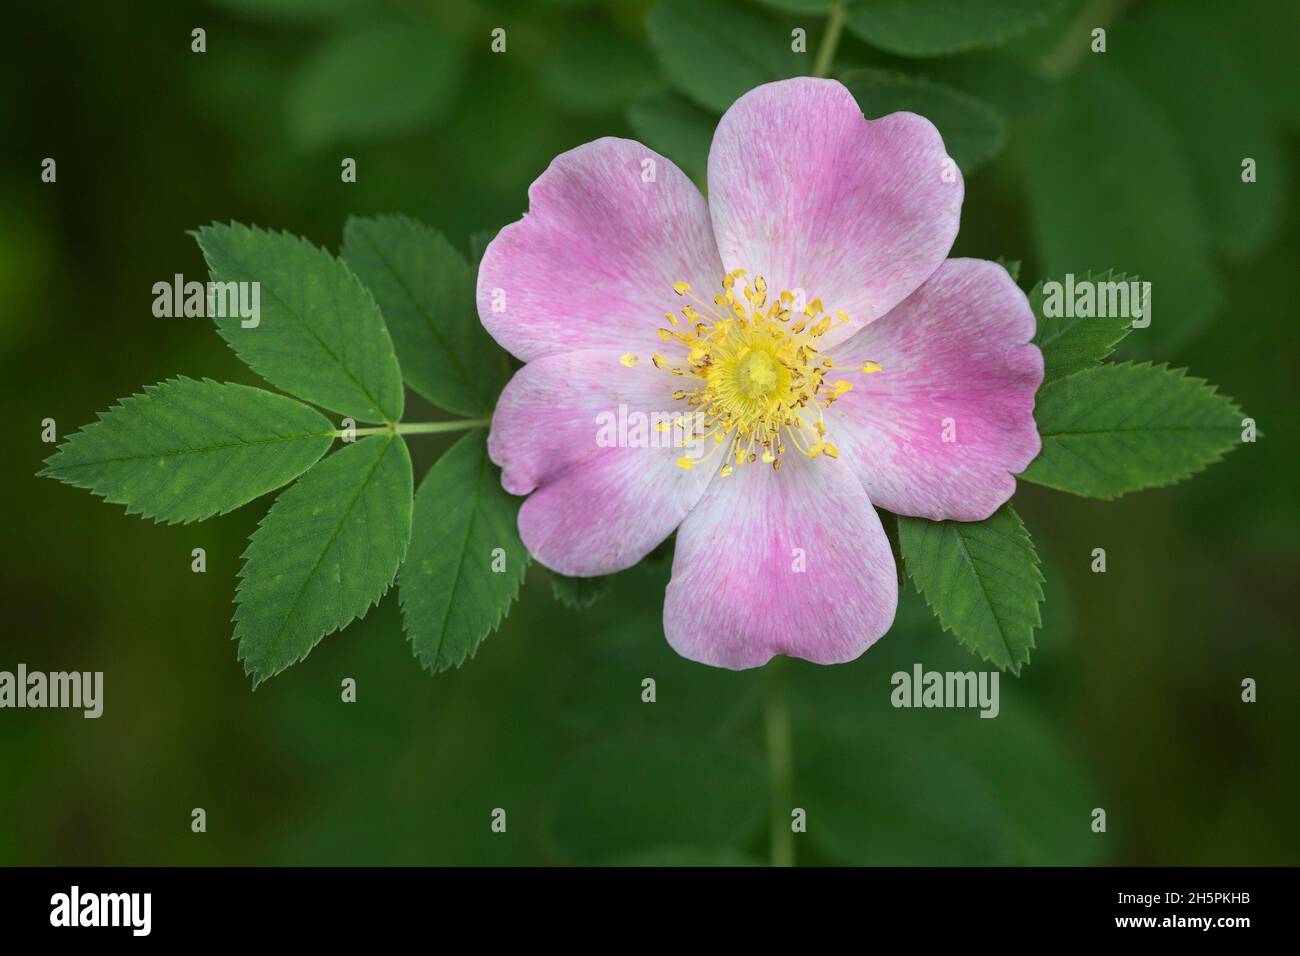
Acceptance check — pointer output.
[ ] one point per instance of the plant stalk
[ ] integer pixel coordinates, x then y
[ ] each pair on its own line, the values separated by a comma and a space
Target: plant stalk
420, 428
780, 764
826, 52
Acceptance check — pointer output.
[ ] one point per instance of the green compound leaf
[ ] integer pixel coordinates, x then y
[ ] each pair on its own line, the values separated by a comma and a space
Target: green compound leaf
579, 594
676, 127
1078, 175
452, 593
717, 50
981, 579
320, 335
376, 80
187, 450
426, 291
1202, 91
1118, 428
1071, 343
972, 131
326, 551
938, 27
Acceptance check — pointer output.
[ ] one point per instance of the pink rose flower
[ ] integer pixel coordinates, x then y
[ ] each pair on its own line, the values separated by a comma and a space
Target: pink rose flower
805, 322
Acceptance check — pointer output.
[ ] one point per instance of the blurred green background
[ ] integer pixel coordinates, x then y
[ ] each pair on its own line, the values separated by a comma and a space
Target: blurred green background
1128, 159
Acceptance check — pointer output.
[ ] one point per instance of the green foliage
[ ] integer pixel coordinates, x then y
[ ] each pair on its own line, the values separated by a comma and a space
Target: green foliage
595, 70
1106, 156
937, 27
717, 50
1010, 86
1215, 128
887, 787
426, 291
187, 450
326, 551
676, 127
800, 6
579, 594
981, 579
1268, 37
384, 78
452, 595
973, 132
293, 11
1118, 428
321, 336
1071, 343
636, 794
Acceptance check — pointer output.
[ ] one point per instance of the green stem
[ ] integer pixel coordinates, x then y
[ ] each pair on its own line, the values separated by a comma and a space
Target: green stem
421, 428
826, 52
1076, 41
780, 770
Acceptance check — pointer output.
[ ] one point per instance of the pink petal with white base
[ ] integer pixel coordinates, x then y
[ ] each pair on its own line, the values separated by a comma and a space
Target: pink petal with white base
593, 509
736, 598
610, 227
809, 194
955, 364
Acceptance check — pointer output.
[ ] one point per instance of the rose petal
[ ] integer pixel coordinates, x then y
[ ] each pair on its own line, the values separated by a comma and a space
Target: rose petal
954, 353
592, 264
594, 510
809, 194
736, 598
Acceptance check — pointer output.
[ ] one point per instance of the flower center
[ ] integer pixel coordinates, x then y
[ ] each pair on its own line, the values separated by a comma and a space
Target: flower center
757, 377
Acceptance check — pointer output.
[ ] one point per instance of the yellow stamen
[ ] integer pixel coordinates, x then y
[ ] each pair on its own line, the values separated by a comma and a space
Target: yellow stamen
756, 379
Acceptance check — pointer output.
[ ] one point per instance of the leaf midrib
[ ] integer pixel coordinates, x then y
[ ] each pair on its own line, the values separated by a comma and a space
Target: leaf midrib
997, 619
374, 403
190, 451
460, 558
466, 380
1125, 431
302, 589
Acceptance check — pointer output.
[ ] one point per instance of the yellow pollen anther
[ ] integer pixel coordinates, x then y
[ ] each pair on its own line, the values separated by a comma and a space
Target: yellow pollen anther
629, 360
755, 379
